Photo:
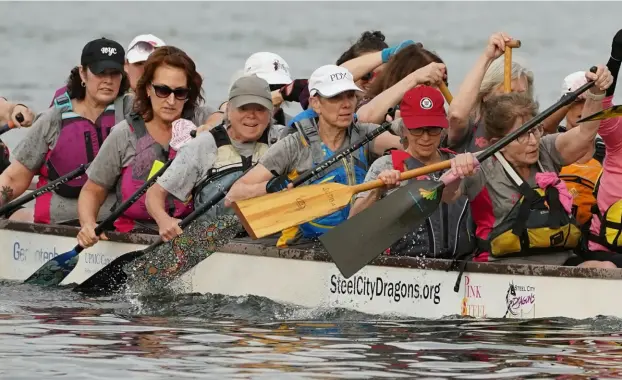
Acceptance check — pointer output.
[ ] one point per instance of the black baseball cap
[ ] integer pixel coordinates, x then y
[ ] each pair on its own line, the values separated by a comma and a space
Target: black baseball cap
102, 54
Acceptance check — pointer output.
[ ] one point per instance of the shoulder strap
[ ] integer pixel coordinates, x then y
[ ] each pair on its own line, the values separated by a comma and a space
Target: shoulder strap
137, 124
308, 131
507, 167
220, 135
118, 109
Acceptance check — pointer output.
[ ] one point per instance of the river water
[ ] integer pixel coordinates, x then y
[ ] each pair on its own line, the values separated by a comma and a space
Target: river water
48, 333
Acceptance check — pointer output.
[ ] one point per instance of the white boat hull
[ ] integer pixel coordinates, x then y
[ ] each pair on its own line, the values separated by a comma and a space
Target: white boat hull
409, 287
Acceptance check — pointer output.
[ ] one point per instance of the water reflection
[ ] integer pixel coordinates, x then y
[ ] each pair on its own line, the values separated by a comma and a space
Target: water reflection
191, 336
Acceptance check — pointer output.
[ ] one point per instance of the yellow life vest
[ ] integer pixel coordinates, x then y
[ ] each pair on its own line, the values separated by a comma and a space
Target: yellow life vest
536, 224
610, 232
581, 181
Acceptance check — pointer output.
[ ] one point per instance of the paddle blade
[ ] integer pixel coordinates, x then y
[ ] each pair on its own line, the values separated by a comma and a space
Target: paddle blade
55, 270
110, 278
272, 213
609, 113
356, 242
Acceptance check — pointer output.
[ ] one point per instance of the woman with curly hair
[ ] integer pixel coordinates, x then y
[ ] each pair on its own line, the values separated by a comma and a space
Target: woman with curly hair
169, 89
69, 134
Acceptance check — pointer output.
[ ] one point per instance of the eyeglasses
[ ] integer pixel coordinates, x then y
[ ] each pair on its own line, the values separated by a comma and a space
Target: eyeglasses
536, 131
163, 91
431, 131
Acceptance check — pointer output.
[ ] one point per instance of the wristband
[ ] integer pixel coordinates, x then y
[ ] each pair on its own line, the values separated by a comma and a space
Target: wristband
596, 97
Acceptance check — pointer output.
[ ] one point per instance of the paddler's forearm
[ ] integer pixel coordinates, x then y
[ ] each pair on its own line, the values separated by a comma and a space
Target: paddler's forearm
92, 196
465, 100
364, 64
155, 200
14, 181
362, 203
575, 143
241, 191
375, 111
6, 109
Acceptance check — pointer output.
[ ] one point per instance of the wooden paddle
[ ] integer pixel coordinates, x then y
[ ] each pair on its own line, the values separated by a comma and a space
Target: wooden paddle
507, 68
112, 277
56, 269
16, 203
356, 242
445, 91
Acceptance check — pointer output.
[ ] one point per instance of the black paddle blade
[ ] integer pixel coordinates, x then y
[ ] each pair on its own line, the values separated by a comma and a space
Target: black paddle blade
356, 242
110, 279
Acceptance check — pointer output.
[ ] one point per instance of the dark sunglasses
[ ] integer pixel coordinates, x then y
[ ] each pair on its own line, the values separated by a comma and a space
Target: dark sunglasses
163, 91
431, 131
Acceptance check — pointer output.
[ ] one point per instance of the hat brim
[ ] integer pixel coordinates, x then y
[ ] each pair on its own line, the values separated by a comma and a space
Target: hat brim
416, 122
100, 66
330, 91
134, 55
275, 77
243, 100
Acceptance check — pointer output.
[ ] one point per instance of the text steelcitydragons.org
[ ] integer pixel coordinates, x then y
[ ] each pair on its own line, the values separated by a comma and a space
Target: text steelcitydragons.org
364, 286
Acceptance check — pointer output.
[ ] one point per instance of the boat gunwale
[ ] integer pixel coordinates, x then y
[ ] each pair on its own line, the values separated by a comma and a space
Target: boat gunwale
259, 247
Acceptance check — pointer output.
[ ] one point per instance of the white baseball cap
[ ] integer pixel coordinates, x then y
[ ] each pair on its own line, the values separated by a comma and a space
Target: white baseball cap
269, 67
331, 80
141, 47
573, 81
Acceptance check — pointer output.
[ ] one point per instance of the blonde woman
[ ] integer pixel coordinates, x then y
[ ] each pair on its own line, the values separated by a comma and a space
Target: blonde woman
465, 134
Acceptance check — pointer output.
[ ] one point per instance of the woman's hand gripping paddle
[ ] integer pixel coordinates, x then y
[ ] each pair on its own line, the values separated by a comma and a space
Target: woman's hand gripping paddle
112, 277
356, 242
16, 203
10, 125
55, 270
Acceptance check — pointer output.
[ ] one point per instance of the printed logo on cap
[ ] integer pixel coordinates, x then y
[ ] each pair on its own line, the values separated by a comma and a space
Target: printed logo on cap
278, 65
426, 103
109, 50
338, 76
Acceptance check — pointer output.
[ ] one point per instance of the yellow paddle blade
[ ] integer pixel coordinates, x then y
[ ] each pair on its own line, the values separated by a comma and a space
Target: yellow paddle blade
611, 112
272, 213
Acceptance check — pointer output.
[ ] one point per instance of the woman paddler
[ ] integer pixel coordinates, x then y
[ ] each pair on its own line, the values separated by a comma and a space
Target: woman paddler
221, 155
465, 132
333, 98
8, 114
446, 233
70, 134
517, 200
169, 89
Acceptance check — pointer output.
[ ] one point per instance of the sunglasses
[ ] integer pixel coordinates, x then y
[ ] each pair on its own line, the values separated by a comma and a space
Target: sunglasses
163, 91
431, 131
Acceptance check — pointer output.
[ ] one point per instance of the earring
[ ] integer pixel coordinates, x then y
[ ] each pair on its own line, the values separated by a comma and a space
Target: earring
83, 84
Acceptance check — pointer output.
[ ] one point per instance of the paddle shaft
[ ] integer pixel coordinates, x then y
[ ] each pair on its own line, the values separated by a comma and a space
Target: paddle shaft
341, 154
7, 208
507, 67
403, 176
445, 91
125, 205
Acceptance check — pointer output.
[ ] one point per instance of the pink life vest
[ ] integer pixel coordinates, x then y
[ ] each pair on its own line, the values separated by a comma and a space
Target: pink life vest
136, 174
78, 142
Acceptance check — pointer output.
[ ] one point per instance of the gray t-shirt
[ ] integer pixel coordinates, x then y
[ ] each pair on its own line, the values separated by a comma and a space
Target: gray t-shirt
290, 154
491, 191
33, 148
193, 162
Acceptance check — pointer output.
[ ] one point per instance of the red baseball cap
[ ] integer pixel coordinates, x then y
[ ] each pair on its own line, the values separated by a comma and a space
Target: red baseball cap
423, 106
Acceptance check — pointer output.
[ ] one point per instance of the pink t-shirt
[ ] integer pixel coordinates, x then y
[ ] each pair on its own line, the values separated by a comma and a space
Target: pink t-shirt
610, 190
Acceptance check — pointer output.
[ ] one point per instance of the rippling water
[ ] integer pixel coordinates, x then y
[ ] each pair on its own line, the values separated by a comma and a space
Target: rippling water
48, 333
45, 333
